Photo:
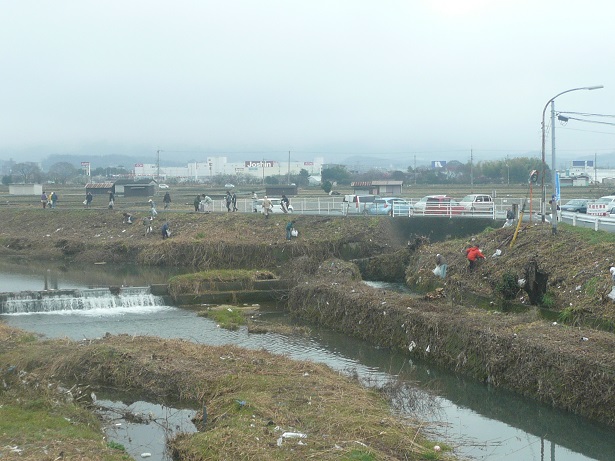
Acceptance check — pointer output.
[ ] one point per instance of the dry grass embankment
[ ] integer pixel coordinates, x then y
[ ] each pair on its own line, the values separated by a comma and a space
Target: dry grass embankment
219, 240
340, 418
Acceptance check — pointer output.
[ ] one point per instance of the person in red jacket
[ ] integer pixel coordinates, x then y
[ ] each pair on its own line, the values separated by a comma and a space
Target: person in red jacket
473, 253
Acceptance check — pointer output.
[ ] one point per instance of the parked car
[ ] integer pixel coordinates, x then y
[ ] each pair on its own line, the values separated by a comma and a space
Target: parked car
353, 204
163, 186
392, 206
438, 205
229, 186
609, 201
276, 206
480, 203
576, 205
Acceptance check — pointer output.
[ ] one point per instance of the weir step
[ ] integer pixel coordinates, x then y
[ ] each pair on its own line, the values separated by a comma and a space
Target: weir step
219, 297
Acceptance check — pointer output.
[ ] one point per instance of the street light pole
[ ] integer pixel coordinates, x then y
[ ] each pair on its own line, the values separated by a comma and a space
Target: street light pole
544, 164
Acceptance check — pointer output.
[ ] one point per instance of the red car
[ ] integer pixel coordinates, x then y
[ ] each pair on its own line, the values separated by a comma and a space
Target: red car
438, 205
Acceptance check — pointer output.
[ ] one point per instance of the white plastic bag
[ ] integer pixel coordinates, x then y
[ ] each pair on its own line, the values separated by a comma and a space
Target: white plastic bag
294, 233
85, 202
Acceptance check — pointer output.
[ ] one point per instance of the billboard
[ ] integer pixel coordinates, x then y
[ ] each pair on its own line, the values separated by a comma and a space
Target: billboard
438, 163
583, 163
258, 163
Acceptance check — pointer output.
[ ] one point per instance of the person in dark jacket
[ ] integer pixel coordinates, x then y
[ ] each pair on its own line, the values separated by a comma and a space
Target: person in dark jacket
229, 200
289, 229
166, 200
285, 203
166, 232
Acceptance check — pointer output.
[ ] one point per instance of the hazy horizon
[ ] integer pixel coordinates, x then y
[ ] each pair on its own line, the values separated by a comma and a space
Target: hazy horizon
436, 79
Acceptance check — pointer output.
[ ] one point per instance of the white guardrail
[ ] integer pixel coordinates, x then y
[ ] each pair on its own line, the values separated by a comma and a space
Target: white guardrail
336, 206
606, 223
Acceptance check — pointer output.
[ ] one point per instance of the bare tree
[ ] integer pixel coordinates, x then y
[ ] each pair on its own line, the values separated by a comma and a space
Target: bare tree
29, 171
62, 171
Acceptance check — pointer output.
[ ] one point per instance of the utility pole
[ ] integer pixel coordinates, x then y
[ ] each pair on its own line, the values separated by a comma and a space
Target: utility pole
158, 165
595, 168
472, 171
415, 170
288, 181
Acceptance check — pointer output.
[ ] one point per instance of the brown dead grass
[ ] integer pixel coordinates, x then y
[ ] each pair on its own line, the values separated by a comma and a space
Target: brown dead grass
578, 269
336, 413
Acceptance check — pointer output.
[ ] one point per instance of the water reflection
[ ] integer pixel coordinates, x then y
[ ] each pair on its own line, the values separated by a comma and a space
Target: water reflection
481, 422
143, 428
42, 276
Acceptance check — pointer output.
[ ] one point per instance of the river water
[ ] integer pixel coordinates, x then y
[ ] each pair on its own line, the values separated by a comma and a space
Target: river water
480, 422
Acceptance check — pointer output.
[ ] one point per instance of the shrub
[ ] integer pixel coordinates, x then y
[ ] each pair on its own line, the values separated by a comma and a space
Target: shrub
507, 286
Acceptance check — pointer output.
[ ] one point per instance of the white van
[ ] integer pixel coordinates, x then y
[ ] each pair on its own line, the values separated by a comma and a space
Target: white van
355, 204
477, 203
608, 201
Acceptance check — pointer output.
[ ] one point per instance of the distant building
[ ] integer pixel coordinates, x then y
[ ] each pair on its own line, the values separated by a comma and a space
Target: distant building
382, 188
99, 188
203, 171
574, 181
26, 189
135, 187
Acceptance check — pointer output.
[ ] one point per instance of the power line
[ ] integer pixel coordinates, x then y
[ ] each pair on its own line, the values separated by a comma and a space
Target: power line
591, 121
586, 114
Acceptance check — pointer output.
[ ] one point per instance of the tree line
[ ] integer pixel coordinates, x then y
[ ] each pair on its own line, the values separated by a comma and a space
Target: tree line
507, 171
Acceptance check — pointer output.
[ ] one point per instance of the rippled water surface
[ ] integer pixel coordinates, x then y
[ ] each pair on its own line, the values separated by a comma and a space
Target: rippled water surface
480, 422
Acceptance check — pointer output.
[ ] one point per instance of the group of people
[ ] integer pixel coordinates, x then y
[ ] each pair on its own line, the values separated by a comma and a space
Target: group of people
203, 203
49, 199
231, 201
473, 255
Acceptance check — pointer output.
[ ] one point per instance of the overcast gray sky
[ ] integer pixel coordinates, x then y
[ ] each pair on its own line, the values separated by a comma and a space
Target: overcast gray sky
434, 78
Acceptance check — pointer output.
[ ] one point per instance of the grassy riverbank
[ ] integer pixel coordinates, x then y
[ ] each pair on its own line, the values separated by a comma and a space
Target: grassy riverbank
251, 397
568, 364
203, 241
567, 360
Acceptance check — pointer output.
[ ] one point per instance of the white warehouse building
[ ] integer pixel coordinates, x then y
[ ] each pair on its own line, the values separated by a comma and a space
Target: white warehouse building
201, 171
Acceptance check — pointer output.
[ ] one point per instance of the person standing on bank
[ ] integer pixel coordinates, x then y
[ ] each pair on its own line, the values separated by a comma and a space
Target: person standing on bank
88, 199
111, 199
289, 229
207, 203
152, 208
510, 217
473, 254
229, 200
266, 206
234, 201
166, 200
285, 203
166, 232
441, 266
44, 200
54, 199
254, 202
197, 202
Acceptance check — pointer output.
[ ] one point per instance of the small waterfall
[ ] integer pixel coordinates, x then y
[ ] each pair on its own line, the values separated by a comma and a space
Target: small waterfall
77, 299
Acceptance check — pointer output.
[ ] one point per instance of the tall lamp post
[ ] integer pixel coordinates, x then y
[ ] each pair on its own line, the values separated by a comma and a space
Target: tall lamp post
544, 164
